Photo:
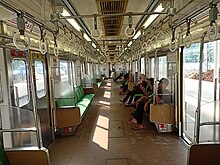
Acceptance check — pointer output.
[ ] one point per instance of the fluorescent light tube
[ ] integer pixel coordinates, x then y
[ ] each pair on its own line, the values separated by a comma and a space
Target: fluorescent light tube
153, 16
71, 20
130, 43
137, 35
86, 37
94, 45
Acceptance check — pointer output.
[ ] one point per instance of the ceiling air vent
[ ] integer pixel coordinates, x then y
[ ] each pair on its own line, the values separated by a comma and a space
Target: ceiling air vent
112, 25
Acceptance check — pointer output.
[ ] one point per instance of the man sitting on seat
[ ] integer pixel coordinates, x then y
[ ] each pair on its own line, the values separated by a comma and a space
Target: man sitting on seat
145, 103
136, 90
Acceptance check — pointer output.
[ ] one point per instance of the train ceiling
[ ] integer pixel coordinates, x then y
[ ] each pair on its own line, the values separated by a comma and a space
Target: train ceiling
112, 17
112, 28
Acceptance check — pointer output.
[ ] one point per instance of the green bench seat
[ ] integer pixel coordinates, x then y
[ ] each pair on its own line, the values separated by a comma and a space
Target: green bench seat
82, 100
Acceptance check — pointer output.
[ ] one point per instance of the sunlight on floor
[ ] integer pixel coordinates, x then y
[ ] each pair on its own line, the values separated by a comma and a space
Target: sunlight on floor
103, 122
100, 136
107, 94
109, 84
107, 88
104, 103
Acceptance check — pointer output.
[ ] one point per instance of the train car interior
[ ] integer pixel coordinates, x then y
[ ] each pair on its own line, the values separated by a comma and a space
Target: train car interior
110, 82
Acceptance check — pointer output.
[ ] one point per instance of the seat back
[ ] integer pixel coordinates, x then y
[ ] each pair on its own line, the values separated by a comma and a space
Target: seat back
205, 154
162, 113
79, 93
28, 156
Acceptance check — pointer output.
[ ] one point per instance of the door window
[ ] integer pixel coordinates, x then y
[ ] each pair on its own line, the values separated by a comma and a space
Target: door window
40, 78
20, 82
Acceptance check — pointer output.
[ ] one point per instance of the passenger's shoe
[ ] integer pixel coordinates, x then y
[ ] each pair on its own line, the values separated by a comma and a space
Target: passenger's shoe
122, 101
138, 127
132, 121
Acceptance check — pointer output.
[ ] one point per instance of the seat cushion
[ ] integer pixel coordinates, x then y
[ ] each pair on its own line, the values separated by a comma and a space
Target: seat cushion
82, 109
79, 93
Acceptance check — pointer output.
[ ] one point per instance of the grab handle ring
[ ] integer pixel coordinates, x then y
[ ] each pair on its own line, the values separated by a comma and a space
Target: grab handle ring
56, 51
210, 31
173, 43
189, 39
132, 31
95, 33
22, 42
43, 47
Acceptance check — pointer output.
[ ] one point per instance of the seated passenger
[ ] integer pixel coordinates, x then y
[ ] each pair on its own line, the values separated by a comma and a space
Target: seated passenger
136, 90
144, 104
148, 93
124, 86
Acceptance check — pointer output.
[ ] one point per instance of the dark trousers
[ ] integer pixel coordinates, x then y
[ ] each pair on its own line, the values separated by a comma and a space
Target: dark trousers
130, 95
139, 112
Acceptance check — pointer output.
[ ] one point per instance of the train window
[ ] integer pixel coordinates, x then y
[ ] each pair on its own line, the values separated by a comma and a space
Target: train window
152, 67
64, 71
74, 74
78, 71
162, 67
40, 78
88, 69
142, 65
97, 71
19, 72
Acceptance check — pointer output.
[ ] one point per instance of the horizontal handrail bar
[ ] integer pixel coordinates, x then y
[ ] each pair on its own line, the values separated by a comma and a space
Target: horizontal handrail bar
32, 129
209, 123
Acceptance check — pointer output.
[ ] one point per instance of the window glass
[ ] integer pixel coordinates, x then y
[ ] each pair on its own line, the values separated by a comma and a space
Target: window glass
40, 78
64, 71
142, 66
162, 67
152, 67
74, 74
19, 71
79, 71
210, 73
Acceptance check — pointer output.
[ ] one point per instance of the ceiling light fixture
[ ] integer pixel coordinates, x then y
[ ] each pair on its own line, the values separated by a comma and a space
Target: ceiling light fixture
94, 45
130, 43
137, 35
71, 20
153, 16
86, 37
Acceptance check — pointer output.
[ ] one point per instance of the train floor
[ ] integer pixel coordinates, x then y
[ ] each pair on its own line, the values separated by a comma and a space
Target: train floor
106, 138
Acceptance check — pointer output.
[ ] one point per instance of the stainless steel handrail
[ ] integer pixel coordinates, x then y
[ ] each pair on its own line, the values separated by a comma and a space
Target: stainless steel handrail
31, 129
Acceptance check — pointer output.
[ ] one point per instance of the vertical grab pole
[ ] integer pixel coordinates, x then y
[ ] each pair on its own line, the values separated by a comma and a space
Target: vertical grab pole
33, 95
197, 124
74, 95
155, 75
53, 109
